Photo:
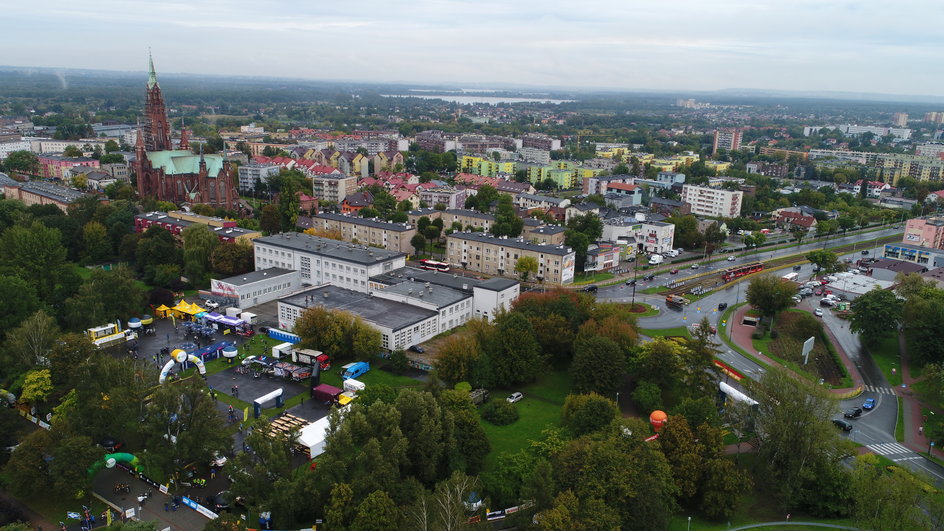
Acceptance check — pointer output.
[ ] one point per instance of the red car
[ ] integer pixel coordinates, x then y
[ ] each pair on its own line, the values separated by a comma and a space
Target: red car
245, 332
673, 272
818, 292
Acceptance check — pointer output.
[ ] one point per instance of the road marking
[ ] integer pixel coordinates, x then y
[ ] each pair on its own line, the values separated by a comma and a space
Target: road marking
907, 459
889, 449
880, 390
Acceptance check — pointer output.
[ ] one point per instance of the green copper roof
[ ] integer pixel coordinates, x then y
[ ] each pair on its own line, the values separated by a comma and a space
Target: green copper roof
181, 161
152, 75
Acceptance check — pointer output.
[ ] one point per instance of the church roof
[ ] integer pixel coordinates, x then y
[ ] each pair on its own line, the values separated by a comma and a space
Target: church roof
182, 161
152, 75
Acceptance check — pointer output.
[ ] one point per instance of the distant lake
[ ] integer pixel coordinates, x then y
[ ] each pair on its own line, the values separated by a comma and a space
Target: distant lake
466, 100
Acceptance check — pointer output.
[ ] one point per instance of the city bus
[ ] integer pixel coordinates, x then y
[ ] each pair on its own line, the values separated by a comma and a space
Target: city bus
739, 271
433, 265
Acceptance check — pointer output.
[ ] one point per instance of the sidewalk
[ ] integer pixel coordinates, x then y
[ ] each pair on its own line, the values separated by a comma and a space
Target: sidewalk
913, 419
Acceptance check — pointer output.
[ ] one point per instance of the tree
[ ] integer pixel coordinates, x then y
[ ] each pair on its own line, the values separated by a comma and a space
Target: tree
234, 258
827, 261
270, 220
586, 413
340, 508
418, 242
18, 300
199, 244
799, 234
71, 151
875, 314
70, 351
526, 265
23, 161
483, 199
507, 222
37, 386
95, 241
457, 356
377, 513
599, 365
513, 352
797, 442
104, 297
28, 344
770, 295
892, 501
34, 254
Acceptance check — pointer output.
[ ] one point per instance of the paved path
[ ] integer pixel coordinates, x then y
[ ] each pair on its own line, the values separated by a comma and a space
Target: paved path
913, 418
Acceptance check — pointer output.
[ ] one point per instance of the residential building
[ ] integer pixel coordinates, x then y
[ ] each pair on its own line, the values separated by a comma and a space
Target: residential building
450, 197
925, 232
900, 119
602, 257
571, 211
413, 216
794, 220
47, 145
860, 157
535, 155
787, 154
492, 255
325, 261
540, 141
55, 166
357, 201
715, 202
387, 161
669, 207
468, 219
894, 166
251, 175
514, 188
626, 193
599, 184
642, 236
543, 202
727, 139
41, 193
545, 234
333, 187
935, 117
930, 149
14, 145
768, 169
256, 287
366, 231
873, 189
227, 232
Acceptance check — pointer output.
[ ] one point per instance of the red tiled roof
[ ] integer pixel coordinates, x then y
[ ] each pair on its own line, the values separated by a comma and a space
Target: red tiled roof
621, 186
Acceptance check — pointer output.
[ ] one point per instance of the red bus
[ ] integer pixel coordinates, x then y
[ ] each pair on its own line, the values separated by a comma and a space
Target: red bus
433, 265
737, 272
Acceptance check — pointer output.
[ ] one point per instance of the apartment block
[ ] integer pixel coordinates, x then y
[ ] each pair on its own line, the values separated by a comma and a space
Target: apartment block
714, 202
251, 174
540, 141
492, 255
925, 232
727, 139
333, 187
450, 197
900, 119
467, 218
372, 232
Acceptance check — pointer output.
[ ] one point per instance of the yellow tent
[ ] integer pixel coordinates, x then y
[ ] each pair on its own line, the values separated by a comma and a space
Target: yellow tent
161, 311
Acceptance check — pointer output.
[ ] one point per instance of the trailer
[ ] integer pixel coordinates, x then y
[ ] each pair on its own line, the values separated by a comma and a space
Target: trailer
290, 371
326, 393
282, 349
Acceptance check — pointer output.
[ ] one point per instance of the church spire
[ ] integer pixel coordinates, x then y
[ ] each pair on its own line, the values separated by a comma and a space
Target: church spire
152, 75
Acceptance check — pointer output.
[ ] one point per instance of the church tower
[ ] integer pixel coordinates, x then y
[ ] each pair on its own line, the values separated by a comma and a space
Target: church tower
156, 129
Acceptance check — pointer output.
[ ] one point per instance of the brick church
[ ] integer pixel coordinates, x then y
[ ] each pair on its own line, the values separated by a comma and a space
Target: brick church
178, 175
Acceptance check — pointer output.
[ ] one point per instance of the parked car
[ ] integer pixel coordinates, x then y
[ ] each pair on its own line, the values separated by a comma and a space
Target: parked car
818, 312
212, 305
218, 460
589, 289
832, 278
852, 413
818, 292
826, 303
416, 348
722, 306
869, 404
796, 299
514, 397
731, 259
842, 425
855, 271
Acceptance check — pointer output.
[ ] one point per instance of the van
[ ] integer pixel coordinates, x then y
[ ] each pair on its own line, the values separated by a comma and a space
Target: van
656, 259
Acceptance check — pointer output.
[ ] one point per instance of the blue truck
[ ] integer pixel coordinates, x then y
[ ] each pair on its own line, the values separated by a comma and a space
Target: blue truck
353, 370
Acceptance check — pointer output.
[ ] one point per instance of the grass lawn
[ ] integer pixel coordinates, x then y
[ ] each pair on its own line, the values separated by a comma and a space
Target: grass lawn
824, 362
666, 332
900, 423
591, 279
54, 508
886, 356
650, 311
540, 409
652, 290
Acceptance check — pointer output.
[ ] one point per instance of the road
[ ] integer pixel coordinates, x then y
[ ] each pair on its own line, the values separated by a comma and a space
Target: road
876, 428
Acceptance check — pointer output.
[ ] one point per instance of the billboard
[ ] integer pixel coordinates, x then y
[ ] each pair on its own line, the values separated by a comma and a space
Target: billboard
570, 264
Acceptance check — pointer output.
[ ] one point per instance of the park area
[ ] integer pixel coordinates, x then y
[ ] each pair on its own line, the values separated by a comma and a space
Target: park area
784, 343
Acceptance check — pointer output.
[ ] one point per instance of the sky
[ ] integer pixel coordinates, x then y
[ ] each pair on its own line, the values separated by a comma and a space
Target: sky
891, 47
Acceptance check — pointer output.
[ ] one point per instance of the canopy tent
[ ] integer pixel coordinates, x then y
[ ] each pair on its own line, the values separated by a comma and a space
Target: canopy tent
185, 310
161, 311
313, 437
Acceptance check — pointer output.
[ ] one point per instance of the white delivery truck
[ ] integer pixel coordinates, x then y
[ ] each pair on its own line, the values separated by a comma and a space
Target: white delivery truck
656, 259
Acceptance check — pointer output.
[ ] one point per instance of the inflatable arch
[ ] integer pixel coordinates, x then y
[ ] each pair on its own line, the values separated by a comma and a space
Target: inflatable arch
257, 403
180, 356
110, 460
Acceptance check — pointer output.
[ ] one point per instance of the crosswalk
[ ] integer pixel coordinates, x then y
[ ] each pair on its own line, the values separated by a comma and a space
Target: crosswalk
879, 390
889, 449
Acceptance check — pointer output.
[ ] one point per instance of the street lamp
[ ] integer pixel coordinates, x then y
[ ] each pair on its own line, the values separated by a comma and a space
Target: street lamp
689, 523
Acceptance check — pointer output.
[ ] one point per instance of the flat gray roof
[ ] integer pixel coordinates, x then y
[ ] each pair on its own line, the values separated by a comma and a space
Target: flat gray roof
497, 284
468, 213
543, 198
349, 252
367, 222
441, 296
404, 274
255, 276
516, 243
549, 229
388, 314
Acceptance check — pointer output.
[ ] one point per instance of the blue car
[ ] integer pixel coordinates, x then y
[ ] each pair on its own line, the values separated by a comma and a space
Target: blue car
869, 404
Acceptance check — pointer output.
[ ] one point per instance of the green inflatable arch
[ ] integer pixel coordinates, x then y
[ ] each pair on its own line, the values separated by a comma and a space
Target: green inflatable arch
110, 460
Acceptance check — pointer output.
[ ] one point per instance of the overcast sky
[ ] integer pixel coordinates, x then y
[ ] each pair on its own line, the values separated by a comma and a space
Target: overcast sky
845, 45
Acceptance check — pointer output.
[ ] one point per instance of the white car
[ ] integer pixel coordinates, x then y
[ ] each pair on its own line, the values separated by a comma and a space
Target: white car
211, 304
731, 259
831, 278
818, 313
514, 397
218, 460
695, 266
854, 271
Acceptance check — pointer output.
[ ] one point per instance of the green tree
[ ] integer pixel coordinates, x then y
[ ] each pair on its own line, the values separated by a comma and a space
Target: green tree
235, 258
483, 199
770, 294
155, 247
507, 222
513, 352
890, 501
827, 261
70, 351
799, 234
587, 413
270, 220
525, 266
37, 386
18, 299
599, 365
421, 424
95, 241
34, 254
23, 161
199, 244
340, 509
377, 513
71, 151
104, 297
418, 242
875, 314
457, 356
27, 345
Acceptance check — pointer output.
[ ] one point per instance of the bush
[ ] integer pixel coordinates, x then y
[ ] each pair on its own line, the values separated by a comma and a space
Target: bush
758, 335
463, 386
774, 334
500, 412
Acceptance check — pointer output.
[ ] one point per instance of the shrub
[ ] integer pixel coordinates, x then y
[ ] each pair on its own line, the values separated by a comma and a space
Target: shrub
774, 334
463, 386
500, 412
758, 335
